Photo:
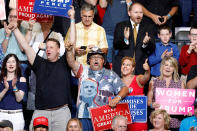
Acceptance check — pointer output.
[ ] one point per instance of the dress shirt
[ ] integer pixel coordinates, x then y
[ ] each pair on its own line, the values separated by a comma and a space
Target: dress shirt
155, 58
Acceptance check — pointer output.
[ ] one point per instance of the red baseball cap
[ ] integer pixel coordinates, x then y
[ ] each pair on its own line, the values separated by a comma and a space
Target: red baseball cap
40, 121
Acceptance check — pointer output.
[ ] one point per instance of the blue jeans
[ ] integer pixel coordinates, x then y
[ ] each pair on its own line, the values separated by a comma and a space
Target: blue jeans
86, 124
110, 39
186, 8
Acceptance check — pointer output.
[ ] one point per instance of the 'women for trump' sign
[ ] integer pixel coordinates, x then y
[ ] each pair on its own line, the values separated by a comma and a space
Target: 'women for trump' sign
175, 101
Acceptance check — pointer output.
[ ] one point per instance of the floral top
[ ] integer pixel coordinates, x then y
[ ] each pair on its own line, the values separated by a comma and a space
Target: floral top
157, 83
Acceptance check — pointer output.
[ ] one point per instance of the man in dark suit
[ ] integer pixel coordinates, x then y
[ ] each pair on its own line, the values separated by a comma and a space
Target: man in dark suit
131, 38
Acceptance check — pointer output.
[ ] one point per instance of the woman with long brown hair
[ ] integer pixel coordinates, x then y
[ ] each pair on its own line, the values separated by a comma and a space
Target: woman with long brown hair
12, 90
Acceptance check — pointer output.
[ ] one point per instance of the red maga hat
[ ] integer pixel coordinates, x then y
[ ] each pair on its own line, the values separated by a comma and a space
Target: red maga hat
40, 121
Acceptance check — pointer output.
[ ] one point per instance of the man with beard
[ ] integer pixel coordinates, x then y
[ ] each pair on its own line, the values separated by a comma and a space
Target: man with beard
190, 123
188, 55
102, 83
131, 38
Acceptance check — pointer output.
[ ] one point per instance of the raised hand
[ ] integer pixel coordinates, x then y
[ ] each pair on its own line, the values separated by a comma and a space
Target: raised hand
155, 105
7, 30
164, 54
5, 83
80, 52
145, 65
191, 47
169, 54
156, 18
165, 18
31, 23
146, 38
12, 26
114, 102
68, 46
71, 12
127, 32
14, 81
42, 46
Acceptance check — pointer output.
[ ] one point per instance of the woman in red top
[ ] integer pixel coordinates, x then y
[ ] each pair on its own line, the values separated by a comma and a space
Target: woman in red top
135, 83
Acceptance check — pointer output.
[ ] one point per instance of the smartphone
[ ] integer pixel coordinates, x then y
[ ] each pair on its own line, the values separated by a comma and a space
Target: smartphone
83, 47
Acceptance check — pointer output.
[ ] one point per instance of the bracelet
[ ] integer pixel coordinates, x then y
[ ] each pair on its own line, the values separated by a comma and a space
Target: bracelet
72, 20
169, 16
130, 3
151, 105
16, 89
125, 40
119, 97
7, 37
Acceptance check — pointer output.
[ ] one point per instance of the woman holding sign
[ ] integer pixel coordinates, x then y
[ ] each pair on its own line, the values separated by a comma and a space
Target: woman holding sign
135, 83
168, 78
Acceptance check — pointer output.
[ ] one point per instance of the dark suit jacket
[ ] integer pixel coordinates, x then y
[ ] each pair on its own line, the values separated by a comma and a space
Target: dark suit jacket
128, 50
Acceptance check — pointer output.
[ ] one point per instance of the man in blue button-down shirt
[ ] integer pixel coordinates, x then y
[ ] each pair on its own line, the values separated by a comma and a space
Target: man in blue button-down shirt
190, 123
163, 49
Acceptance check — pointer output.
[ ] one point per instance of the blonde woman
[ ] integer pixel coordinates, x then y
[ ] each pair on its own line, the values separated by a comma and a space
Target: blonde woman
160, 120
74, 124
168, 78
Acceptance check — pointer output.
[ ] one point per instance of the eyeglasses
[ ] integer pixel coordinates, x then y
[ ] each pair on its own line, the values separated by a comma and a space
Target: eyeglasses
122, 127
193, 35
99, 57
12, 16
87, 17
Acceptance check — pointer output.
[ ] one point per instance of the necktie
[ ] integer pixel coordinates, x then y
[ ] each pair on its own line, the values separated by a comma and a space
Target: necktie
135, 32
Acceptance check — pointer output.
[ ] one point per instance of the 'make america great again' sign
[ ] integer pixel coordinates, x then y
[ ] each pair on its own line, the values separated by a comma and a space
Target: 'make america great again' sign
102, 116
175, 101
25, 8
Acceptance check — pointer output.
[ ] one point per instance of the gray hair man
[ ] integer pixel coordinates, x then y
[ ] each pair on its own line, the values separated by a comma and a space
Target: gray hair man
119, 123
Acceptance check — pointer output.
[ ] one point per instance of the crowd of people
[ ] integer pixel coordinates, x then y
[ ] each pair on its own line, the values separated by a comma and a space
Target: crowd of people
52, 73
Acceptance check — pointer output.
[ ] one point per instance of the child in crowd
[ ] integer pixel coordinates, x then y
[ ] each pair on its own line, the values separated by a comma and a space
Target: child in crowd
40, 124
163, 49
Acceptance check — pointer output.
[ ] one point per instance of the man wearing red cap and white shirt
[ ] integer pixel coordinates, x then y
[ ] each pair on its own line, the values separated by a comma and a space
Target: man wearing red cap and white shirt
40, 124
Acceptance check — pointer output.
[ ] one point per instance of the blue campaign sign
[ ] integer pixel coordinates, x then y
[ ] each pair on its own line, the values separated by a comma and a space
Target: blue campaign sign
52, 7
138, 107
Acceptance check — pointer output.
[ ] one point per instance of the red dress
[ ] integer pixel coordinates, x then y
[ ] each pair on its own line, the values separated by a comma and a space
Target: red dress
137, 90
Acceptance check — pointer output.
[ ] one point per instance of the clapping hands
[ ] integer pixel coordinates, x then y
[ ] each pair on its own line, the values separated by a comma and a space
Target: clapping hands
167, 54
146, 38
